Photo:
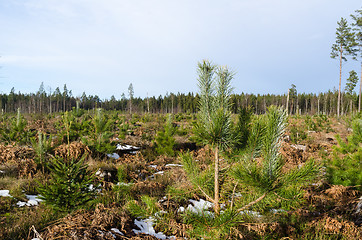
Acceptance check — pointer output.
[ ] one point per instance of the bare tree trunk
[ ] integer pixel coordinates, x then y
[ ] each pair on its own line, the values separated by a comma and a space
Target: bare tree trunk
130, 106
342, 106
287, 106
172, 104
216, 186
318, 105
148, 104
340, 80
50, 103
360, 91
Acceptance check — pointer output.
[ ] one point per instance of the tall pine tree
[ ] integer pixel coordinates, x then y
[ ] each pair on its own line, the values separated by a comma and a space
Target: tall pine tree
357, 28
344, 45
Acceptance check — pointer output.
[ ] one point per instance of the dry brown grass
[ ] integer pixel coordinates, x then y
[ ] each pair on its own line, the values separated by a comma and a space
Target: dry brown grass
74, 150
93, 225
336, 226
11, 153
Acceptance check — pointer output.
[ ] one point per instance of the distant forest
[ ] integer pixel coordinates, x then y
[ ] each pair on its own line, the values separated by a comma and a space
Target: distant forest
61, 101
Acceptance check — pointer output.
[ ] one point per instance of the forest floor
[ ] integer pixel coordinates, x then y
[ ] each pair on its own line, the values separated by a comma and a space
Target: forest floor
327, 212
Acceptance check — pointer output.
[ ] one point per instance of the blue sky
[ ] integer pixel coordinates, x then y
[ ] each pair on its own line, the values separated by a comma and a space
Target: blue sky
100, 47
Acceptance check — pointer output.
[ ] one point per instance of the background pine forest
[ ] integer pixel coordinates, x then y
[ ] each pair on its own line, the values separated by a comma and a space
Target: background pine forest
61, 101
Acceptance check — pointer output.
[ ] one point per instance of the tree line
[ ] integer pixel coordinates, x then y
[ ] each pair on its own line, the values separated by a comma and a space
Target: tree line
63, 100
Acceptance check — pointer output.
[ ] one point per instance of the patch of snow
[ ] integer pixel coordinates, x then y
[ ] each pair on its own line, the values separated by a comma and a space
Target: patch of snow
277, 210
238, 195
359, 206
1, 171
5, 193
146, 226
126, 147
251, 213
153, 166
173, 165
124, 184
198, 207
159, 214
113, 155
299, 147
160, 173
33, 200
100, 173
116, 230
164, 198
181, 209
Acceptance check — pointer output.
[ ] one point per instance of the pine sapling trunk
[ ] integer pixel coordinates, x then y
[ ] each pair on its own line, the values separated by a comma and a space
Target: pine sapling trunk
216, 186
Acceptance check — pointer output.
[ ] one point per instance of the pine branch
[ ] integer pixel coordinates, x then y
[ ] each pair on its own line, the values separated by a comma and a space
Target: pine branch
252, 203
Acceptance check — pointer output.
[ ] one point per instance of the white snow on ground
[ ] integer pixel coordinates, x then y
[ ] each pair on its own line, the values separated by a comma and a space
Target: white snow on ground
181, 209
359, 206
113, 155
277, 210
198, 207
146, 227
33, 201
153, 166
160, 173
5, 193
116, 230
173, 165
1, 171
251, 213
126, 147
124, 184
238, 195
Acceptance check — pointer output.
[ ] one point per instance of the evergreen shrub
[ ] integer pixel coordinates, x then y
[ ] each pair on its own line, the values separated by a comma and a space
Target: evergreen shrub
70, 186
345, 167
